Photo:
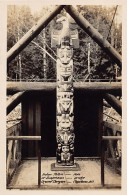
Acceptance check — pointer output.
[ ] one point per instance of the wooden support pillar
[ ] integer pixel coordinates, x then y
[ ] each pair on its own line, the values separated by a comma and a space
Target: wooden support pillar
102, 162
39, 164
100, 123
111, 143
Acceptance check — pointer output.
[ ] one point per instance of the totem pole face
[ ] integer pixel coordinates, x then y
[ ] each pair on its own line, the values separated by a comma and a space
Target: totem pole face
65, 54
64, 120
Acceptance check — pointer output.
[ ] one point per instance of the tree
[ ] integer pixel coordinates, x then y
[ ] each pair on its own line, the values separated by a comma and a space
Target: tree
100, 18
32, 56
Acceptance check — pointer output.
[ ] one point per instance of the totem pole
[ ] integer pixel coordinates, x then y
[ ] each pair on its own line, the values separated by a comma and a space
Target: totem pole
65, 40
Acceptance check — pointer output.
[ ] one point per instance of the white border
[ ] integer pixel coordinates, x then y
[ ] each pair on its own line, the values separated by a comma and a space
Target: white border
3, 23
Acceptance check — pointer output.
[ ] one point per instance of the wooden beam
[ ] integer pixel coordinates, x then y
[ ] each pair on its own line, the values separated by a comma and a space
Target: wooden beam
94, 34
13, 129
111, 137
14, 101
114, 102
23, 137
13, 87
32, 33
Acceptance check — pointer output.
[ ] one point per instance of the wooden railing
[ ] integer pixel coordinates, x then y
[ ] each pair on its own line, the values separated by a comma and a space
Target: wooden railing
104, 139
12, 139
113, 152
108, 146
13, 151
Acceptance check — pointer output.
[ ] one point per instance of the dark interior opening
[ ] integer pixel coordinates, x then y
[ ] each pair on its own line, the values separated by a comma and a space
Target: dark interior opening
39, 118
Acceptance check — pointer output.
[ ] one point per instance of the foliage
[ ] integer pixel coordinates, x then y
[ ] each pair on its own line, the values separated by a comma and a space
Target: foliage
20, 20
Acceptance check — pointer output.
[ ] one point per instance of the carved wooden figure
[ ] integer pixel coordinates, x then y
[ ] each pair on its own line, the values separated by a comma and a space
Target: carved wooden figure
65, 40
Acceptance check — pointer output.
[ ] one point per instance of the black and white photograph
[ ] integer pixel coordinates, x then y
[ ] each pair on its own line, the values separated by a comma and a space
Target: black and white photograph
64, 97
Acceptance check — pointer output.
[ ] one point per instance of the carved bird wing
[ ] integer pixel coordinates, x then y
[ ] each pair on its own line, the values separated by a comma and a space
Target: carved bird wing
55, 38
74, 38
58, 35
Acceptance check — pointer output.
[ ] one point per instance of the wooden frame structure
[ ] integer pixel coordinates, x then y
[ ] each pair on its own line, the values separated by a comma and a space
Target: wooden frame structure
102, 88
113, 88
81, 21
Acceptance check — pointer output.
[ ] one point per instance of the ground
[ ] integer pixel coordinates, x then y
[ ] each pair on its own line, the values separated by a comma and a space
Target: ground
88, 177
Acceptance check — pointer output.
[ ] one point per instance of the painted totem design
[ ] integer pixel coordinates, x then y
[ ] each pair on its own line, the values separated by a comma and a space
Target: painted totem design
65, 136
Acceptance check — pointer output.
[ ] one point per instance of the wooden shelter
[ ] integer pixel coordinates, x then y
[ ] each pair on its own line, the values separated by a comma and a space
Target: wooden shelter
39, 105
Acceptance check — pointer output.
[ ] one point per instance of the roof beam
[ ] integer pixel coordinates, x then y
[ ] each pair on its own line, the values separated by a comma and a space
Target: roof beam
105, 87
94, 34
14, 101
114, 102
32, 33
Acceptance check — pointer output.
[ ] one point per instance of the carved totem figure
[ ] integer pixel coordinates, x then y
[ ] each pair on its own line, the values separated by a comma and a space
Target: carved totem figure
65, 40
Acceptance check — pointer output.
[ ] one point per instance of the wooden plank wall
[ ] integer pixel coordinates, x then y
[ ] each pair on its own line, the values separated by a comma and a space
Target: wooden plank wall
39, 118
31, 123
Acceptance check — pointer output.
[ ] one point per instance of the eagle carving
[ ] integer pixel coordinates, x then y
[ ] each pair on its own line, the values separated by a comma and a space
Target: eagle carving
65, 36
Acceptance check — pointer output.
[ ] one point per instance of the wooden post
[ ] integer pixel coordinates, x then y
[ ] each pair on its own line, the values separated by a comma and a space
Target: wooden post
39, 164
10, 144
102, 162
